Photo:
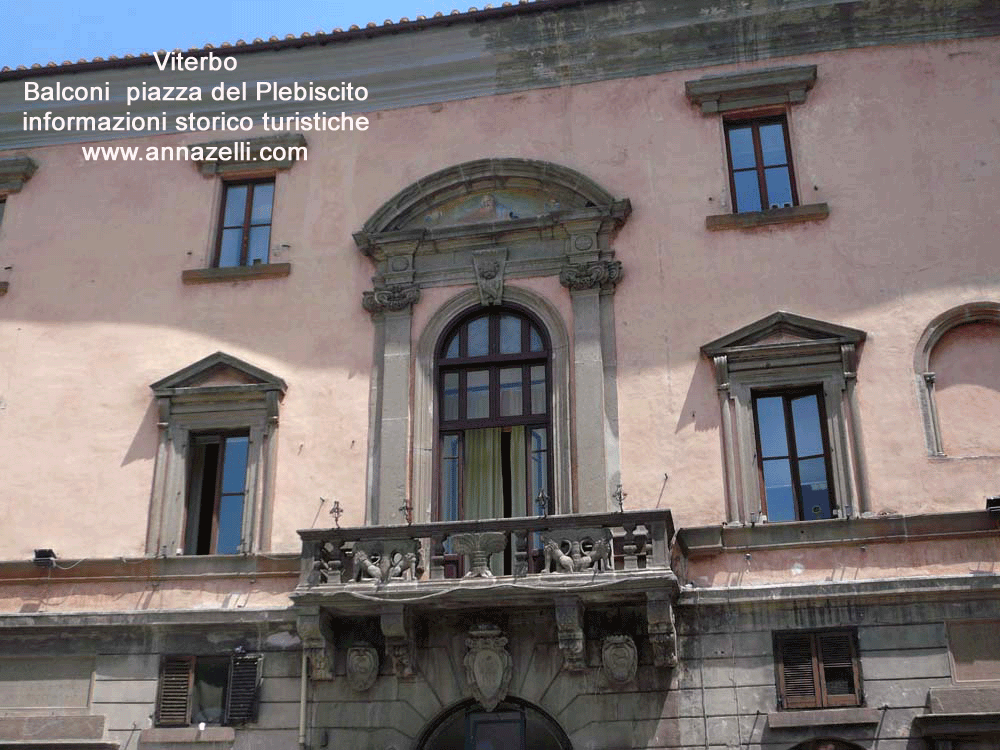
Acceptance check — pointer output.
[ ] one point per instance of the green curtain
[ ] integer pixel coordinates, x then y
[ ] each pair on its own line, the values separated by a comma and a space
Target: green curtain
483, 474
518, 474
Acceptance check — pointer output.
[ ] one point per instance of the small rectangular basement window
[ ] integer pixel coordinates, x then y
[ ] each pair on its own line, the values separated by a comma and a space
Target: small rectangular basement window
215, 690
817, 669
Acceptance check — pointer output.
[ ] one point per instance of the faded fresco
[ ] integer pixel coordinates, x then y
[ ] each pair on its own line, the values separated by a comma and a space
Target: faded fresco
496, 205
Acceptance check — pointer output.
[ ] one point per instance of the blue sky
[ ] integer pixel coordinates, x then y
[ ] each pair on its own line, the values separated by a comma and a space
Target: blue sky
42, 30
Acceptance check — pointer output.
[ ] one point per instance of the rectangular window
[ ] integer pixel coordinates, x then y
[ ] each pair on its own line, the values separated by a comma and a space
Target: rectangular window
217, 493
760, 164
211, 689
793, 455
245, 224
3, 205
817, 669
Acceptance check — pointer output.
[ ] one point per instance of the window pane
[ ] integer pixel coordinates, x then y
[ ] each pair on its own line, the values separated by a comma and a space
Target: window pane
234, 470
772, 144
257, 250
778, 486
210, 677
263, 197
779, 187
510, 334
535, 343
452, 349
805, 418
449, 477
236, 206
230, 524
510, 392
815, 489
771, 427
229, 253
477, 394
747, 191
741, 148
450, 410
539, 403
538, 471
479, 337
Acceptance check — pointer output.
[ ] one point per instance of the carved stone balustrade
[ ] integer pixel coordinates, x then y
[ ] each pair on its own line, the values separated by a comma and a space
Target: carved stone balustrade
401, 573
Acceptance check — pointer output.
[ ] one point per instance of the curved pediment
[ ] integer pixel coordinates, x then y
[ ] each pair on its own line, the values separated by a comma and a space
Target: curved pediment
488, 191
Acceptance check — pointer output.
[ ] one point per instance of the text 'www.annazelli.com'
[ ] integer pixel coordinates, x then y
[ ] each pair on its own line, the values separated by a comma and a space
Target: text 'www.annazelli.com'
239, 151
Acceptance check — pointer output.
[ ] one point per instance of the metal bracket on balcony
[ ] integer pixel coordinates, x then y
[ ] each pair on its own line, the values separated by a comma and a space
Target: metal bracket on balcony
479, 546
383, 561
569, 624
660, 627
399, 644
576, 550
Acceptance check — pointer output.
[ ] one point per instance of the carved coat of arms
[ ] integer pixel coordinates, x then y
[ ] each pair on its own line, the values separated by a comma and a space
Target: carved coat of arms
362, 666
619, 658
488, 665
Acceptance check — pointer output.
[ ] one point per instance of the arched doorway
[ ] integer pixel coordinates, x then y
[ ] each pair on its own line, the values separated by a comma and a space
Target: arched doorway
513, 725
827, 744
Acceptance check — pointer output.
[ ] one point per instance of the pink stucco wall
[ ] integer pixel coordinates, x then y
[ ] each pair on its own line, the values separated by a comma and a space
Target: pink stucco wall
900, 141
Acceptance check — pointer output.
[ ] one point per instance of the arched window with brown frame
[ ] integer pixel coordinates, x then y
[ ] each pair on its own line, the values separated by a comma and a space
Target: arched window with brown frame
493, 375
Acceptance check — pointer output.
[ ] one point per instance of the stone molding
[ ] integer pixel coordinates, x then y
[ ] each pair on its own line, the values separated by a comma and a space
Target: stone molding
488, 666
395, 298
971, 312
601, 274
384, 561
788, 350
14, 172
235, 273
250, 162
747, 90
827, 717
489, 269
754, 219
565, 553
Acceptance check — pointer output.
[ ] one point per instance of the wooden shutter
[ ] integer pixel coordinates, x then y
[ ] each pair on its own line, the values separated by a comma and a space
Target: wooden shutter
797, 683
243, 689
173, 701
838, 669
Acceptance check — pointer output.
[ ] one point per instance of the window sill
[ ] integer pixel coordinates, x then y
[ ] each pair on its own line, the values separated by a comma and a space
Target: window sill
822, 717
236, 273
174, 735
754, 219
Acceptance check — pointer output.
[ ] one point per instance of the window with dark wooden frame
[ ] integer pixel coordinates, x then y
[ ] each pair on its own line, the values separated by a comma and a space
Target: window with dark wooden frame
793, 454
245, 223
761, 175
3, 205
818, 669
217, 491
494, 422
211, 689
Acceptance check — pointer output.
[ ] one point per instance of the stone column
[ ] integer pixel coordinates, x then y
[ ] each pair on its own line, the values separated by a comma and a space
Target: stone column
598, 465
391, 309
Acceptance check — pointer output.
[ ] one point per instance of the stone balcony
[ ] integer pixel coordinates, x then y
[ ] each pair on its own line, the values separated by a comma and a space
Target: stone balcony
564, 564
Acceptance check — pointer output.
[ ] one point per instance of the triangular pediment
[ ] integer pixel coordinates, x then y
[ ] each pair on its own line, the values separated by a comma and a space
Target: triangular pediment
219, 370
783, 329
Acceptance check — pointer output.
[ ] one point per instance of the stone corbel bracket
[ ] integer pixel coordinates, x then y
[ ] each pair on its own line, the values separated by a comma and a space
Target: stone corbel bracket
14, 172
598, 274
394, 298
569, 626
660, 628
317, 638
399, 643
489, 268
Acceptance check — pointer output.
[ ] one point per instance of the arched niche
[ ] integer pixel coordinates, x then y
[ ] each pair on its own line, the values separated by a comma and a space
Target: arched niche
481, 226
955, 366
513, 725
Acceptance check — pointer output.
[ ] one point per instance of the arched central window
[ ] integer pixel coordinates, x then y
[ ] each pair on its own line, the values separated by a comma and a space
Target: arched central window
494, 423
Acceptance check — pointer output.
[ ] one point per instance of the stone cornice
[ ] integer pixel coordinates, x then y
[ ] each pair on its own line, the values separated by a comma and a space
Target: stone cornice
748, 89
248, 159
14, 172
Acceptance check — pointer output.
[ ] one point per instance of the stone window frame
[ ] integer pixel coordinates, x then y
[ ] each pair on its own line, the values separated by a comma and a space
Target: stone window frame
572, 241
248, 166
784, 350
750, 95
186, 408
925, 378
